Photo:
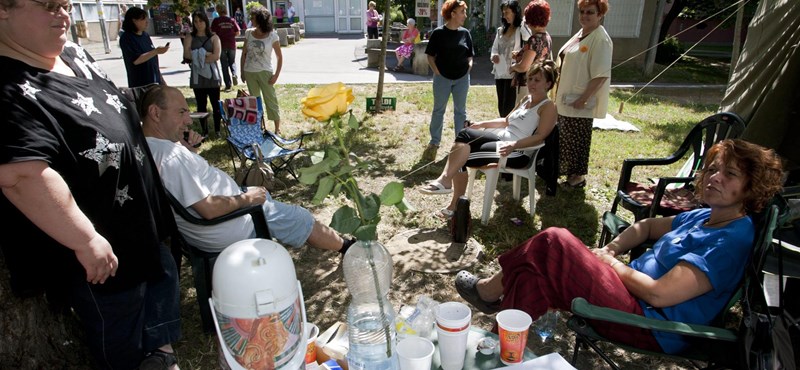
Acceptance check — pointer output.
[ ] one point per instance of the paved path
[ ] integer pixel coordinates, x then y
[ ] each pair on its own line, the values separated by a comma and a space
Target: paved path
311, 61
315, 60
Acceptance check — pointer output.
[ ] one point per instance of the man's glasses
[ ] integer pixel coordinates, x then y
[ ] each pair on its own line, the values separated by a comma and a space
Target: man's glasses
54, 6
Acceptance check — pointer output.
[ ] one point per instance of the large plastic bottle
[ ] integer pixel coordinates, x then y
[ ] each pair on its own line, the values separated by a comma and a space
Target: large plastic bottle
370, 316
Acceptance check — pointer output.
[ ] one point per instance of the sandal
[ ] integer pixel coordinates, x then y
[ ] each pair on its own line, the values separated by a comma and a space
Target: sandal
435, 187
466, 285
579, 185
444, 214
158, 360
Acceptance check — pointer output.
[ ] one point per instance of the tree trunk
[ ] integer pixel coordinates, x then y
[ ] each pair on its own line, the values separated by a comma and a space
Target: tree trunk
33, 335
674, 12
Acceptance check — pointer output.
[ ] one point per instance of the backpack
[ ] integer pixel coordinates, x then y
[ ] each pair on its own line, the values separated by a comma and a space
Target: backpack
767, 342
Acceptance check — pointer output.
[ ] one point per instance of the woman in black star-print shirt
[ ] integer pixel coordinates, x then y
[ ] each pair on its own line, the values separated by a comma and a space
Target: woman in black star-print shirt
83, 206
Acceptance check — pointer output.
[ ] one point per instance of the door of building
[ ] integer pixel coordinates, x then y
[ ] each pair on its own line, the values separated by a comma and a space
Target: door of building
351, 16
319, 16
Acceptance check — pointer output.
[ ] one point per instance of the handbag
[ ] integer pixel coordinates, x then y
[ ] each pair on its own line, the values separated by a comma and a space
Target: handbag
257, 174
767, 343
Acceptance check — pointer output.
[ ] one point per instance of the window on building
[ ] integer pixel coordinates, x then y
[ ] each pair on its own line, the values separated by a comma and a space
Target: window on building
624, 20
561, 17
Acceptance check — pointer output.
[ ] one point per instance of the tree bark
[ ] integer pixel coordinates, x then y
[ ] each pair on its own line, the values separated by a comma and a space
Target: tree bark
34, 335
674, 12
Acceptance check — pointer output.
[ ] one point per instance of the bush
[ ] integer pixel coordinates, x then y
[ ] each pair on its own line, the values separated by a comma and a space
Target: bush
669, 51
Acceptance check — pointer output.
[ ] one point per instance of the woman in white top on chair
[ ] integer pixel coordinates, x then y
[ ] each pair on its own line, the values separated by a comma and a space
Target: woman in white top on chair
528, 125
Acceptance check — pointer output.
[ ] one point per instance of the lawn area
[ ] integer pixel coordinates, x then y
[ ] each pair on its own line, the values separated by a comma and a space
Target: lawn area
705, 70
393, 142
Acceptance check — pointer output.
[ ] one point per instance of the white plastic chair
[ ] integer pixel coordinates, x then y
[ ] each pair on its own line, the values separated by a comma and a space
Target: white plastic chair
493, 173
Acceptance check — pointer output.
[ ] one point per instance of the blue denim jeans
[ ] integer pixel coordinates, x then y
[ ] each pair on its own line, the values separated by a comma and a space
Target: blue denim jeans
122, 327
228, 60
442, 88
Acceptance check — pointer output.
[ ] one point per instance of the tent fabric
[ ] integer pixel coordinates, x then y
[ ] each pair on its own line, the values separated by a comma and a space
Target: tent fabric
764, 88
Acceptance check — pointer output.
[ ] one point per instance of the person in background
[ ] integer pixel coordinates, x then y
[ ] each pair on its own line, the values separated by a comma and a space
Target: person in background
226, 29
509, 39
278, 14
290, 12
689, 275
450, 54
214, 13
121, 18
582, 92
409, 38
203, 49
138, 52
239, 17
208, 192
537, 48
85, 216
373, 17
528, 125
257, 71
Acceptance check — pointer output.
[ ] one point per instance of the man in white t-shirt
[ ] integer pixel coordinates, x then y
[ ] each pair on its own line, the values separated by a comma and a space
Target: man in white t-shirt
209, 192
290, 13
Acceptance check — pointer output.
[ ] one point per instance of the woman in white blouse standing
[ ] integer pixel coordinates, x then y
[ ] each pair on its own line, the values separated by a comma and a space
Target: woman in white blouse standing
582, 92
257, 71
510, 37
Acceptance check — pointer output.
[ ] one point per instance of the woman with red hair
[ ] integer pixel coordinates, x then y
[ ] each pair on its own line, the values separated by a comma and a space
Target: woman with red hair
689, 275
450, 54
582, 92
538, 46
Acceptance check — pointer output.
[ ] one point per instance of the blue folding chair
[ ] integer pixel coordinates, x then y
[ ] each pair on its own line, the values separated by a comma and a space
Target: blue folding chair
243, 118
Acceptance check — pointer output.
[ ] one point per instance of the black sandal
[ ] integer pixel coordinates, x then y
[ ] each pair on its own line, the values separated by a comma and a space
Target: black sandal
158, 360
466, 285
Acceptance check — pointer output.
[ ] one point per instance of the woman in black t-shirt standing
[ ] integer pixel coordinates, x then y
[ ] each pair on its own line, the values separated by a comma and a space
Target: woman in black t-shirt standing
450, 56
84, 210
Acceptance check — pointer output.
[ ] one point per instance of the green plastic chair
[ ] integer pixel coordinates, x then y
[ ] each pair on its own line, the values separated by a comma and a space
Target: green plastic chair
715, 344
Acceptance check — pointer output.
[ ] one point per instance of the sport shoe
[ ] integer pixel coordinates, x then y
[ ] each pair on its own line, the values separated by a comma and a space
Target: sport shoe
235, 80
430, 153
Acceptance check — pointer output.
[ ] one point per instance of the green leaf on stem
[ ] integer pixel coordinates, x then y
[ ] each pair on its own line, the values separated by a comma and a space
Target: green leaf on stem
325, 186
392, 193
353, 122
371, 207
404, 206
366, 232
346, 221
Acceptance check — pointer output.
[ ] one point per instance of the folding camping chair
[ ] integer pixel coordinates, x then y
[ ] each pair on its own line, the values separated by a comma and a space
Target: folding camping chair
714, 344
243, 118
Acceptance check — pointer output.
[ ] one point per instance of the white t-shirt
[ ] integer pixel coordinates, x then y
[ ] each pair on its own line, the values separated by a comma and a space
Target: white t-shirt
259, 52
190, 179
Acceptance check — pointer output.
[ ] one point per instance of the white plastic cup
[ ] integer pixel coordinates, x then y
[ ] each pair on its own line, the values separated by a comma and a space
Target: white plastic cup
452, 326
513, 332
415, 353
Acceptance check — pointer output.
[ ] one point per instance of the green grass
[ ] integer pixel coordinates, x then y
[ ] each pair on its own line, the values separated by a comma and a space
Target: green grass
393, 142
689, 70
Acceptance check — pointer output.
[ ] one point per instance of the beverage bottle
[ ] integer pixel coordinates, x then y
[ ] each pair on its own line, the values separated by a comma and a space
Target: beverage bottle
370, 317
416, 320
462, 221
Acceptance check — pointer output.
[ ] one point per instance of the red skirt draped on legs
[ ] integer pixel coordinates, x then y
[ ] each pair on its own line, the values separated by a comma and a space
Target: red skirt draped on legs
553, 267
